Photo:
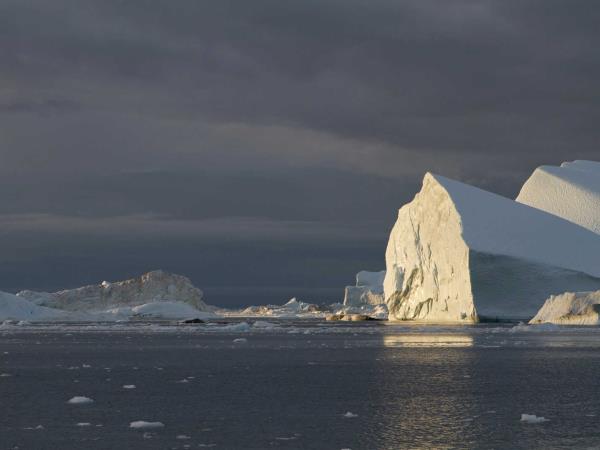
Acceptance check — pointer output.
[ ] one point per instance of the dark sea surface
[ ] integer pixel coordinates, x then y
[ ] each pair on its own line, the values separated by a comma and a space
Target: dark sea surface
290, 386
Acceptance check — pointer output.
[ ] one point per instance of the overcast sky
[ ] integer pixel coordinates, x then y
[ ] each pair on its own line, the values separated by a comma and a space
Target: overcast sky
263, 148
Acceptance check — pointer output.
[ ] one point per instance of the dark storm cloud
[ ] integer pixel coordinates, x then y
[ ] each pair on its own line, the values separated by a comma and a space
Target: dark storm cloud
270, 114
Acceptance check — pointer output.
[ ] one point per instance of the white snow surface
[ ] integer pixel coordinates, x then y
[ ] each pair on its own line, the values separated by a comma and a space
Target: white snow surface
155, 286
458, 253
367, 291
571, 191
570, 308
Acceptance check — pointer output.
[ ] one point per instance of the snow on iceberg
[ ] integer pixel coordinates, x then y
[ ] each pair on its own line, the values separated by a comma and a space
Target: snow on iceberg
461, 254
571, 191
570, 308
155, 286
367, 291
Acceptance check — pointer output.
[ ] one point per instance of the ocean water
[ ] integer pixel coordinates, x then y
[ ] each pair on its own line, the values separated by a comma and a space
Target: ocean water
290, 386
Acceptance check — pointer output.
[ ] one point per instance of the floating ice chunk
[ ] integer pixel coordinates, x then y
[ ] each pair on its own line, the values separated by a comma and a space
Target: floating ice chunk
5, 375
86, 366
39, 427
570, 308
143, 425
79, 400
182, 437
84, 424
264, 324
350, 415
129, 386
235, 328
185, 380
240, 341
532, 418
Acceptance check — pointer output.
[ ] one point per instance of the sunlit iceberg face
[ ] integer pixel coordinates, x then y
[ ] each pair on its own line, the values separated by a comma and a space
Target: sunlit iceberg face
428, 340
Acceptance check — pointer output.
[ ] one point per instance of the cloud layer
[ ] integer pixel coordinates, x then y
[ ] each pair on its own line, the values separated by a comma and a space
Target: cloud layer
270, 121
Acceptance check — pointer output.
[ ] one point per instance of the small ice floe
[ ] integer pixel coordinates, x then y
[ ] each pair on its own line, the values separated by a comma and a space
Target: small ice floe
532, 418
207, 445
290, 438
129, 386
240, 341
182, 437
264, 324
83, 424
86, 366
143, 425
350, 415
236, 327
5, 375
79, 400
185, 380
39, 427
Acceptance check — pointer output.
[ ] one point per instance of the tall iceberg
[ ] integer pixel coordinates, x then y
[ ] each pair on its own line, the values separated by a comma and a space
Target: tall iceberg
571, 191
461, 254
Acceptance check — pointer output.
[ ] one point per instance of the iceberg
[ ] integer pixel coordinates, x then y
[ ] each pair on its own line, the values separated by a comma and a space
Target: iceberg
460, 254
570, 308
367, 291
571, 191
151, 287
15, 308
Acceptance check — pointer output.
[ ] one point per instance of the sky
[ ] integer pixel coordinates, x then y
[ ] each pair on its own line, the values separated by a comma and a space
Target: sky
263, 148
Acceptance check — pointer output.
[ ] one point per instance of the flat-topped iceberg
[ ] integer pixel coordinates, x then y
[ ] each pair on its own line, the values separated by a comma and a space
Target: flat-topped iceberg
461, 254
367, 291
570, 308
571, 191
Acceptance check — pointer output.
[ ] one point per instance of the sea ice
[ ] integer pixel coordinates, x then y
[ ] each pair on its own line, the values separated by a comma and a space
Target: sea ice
79, 400
143, 425
532, 418
350, 415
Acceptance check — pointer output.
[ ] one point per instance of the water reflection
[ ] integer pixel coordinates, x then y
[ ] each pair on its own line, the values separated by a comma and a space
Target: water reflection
428, 340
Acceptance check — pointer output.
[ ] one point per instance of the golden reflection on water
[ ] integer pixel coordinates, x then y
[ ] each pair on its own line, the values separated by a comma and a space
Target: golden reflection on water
428, 340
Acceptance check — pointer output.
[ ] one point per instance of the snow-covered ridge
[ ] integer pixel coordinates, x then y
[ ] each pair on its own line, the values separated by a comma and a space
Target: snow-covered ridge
570, 308
458, 254
571, 191
155, 286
